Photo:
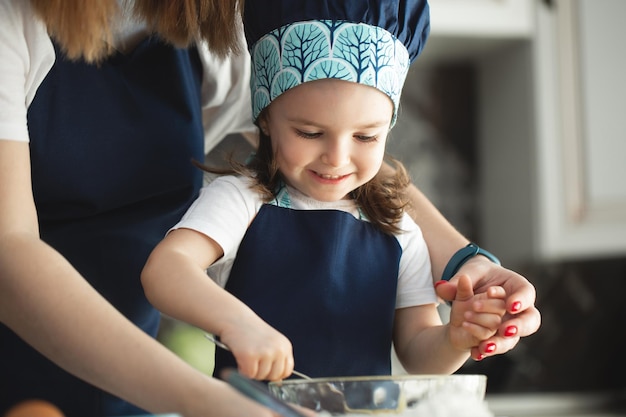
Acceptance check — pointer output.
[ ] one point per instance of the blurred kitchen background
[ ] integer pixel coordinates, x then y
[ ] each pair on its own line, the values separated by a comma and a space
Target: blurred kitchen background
513, 123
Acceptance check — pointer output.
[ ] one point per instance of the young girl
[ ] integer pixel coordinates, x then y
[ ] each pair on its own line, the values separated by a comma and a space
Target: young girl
311, 254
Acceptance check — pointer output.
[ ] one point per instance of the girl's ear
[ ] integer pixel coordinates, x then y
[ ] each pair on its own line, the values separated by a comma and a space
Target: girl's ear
263, 125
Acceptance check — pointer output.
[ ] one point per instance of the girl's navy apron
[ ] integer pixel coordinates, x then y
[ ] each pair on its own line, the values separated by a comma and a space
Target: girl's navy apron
111, 150
324, 279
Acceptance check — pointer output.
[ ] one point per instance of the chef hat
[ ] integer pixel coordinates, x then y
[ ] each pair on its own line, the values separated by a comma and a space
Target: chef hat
371, 42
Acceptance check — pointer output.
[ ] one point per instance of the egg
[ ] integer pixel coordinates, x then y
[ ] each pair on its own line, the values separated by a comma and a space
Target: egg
34, 408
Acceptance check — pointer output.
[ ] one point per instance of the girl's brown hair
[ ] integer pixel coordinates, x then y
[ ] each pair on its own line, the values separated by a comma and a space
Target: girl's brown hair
382, 199
83, 27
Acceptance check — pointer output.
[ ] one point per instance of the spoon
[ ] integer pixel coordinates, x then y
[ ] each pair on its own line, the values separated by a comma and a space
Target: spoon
219, 344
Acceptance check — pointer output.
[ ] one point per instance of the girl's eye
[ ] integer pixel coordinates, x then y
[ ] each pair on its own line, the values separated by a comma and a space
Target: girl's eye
363, 138
308, 135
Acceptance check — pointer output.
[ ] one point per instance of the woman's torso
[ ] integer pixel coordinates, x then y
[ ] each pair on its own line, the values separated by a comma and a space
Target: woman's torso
111, 149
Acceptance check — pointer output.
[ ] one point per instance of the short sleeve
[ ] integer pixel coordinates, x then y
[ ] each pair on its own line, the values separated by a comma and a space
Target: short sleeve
226, 95
223, 211
415, 281
26, 56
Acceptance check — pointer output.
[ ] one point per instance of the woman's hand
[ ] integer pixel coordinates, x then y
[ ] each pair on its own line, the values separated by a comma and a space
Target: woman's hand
522, 317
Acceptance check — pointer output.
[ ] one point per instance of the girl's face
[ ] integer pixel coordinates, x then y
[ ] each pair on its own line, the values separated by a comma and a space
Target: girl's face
328, 136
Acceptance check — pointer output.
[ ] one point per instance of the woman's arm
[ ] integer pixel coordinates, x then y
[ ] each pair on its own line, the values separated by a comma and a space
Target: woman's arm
51, 306
443, 240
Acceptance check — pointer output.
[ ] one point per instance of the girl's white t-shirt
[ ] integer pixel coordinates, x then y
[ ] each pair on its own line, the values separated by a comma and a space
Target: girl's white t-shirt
27, 54
227, 206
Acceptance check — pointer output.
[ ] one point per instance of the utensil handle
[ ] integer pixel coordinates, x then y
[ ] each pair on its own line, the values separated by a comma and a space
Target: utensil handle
258, 392
300, 374
216, 341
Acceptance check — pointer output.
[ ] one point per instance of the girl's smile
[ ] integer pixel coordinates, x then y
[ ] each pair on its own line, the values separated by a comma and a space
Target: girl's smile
328, 136
330, 177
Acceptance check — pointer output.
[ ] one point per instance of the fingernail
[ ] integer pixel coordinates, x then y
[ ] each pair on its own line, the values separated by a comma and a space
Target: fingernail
490, 348
516, 306
480, 357
441, 281
510, 331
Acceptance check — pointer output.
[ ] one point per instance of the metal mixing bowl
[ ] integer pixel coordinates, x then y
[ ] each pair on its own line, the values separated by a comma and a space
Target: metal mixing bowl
367, 394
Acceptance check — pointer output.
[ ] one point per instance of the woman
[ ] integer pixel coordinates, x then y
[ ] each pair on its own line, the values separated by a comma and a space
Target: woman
100, 115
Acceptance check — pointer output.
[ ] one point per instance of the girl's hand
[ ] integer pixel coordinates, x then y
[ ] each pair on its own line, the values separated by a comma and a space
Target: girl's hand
261, 351
475, 317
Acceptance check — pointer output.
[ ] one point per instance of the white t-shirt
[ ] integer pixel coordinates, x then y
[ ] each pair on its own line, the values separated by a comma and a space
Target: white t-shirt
227, 206
27, 54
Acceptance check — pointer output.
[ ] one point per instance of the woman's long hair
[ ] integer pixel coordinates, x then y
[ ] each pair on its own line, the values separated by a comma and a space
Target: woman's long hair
382, 199
83, 27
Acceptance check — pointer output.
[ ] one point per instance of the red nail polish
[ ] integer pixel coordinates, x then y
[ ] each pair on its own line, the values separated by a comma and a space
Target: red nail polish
441, 281
480, 357
516, 306
490, 348
510, 331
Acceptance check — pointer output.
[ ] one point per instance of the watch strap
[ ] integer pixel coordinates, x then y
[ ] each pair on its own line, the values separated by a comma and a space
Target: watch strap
463, 255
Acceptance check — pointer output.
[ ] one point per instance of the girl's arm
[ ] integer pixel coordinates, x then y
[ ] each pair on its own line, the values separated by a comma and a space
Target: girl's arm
51, 306
422, 342
426, 346
176, 282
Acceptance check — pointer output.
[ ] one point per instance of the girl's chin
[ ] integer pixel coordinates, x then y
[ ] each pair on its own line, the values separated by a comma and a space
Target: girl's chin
328, 197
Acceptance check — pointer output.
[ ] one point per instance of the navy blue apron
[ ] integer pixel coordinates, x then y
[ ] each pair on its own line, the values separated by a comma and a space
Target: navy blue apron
327, 281
111, 150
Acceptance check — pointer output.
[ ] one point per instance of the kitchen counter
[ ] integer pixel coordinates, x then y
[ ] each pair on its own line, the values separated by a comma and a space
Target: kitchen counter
545, 405
556, 404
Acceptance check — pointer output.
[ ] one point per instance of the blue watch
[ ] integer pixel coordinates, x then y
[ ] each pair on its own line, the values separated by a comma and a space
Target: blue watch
463, 255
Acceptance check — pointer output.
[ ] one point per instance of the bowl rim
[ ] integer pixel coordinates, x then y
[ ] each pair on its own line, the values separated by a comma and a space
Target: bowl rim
398, 378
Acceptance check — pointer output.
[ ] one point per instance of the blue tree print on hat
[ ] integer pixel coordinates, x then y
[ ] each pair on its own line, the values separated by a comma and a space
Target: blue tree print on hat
322, 49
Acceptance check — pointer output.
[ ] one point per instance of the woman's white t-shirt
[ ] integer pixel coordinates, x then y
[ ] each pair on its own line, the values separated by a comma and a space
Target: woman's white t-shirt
27, 54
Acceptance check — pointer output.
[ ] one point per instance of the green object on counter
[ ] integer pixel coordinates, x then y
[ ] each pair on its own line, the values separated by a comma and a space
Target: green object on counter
188, 342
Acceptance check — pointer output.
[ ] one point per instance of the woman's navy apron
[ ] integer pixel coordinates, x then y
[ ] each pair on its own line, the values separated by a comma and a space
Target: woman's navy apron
111, 150
324, 279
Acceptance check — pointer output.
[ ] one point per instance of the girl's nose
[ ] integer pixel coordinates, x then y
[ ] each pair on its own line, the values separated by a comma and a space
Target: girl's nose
337, 152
